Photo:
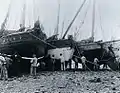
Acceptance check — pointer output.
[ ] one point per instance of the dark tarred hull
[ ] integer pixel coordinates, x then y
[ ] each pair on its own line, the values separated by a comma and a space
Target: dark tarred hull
25, 44
100, 51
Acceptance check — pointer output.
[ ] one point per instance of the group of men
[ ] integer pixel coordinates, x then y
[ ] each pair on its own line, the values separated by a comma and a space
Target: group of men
5, 62
84, 61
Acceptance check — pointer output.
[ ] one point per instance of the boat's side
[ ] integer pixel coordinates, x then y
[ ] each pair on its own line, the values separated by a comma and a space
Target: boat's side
61, 43
100, 51
64, 54
24, 43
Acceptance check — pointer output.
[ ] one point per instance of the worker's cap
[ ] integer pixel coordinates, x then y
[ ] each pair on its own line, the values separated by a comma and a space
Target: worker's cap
34, 55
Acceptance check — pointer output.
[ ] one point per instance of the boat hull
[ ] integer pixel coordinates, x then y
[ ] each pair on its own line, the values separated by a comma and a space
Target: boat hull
100, 51
25, 44
62, 52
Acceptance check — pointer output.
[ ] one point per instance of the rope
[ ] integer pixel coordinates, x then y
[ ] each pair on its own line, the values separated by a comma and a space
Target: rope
74, 19
83, 63
86, 66
94, 63
77, 49
103, 55
100, 23
6, 23
42, 40
77, 33
62, 28
87, 61
108, 59
80, 58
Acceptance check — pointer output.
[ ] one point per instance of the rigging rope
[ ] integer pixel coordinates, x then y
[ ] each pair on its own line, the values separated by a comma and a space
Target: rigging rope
5, 22
102, 55
94, 63
101, 22
87, 60
62, 29
93, 20
54, 47
42, 40
74, 19
82, 23
84, 63
80, 56
58, 19
63, 23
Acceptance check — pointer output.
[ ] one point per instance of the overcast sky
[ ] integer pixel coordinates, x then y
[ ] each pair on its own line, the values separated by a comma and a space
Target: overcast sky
108, 10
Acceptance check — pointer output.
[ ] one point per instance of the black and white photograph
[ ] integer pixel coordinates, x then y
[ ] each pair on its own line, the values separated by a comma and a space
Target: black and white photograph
59, 46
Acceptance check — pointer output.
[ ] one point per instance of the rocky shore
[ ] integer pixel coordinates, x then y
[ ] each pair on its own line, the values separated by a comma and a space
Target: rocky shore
64, 82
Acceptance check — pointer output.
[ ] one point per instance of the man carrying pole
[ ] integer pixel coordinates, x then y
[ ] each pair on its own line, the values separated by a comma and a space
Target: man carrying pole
33, 62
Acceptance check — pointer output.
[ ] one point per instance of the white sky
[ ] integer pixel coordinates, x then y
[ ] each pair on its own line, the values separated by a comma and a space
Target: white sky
109, 10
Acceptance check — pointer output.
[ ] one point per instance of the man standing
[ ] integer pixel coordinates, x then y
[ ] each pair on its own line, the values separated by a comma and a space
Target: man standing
33, 62
63, 63
4, 72
96, 65
83, 59
76, 63
33, 65
8, 65
16, 64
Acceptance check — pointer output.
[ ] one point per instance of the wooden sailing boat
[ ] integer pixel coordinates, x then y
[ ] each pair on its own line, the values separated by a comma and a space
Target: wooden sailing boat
24, 41
64, 48
101, 50
91, 49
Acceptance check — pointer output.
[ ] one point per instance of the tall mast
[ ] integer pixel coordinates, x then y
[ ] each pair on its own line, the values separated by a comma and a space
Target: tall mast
74, 19
22, 24
62, 29
57, 27
93, 21
3, 26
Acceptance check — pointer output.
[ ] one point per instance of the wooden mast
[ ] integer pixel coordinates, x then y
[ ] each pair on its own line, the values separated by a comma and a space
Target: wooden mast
73, 19
62, 29
3, 26
93, 21
57, 27
22, 24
